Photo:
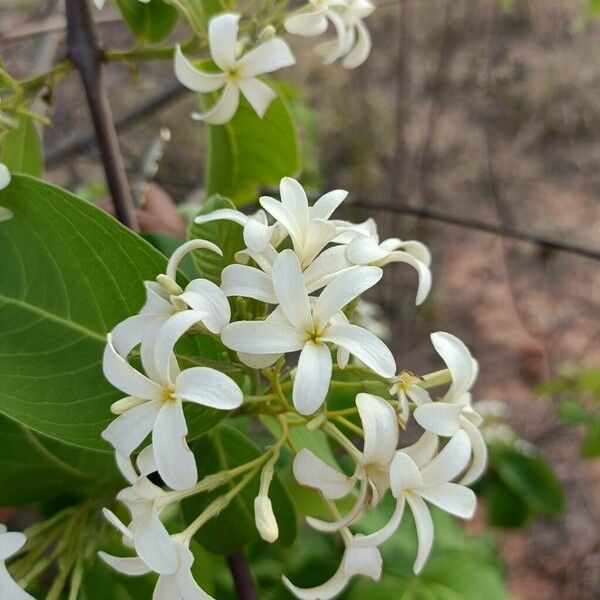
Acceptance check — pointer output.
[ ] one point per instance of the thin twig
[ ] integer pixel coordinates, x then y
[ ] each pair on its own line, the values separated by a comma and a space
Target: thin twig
242, 578
84, 51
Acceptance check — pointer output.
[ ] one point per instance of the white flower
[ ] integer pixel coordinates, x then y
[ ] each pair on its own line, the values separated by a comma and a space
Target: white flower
296, 325
454, 411
10, 543
4, 176
372, 470
416, 475
200, 296
155, 402
177, 584
238, 74
357, 40
356, 561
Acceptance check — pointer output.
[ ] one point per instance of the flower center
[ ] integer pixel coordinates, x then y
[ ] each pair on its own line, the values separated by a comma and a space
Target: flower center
233, 73
168, 394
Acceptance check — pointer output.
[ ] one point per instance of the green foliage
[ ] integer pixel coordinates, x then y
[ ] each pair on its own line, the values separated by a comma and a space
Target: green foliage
225, 234
519, 487
21, 148
221, 449
198, 12
149, 22
248, 152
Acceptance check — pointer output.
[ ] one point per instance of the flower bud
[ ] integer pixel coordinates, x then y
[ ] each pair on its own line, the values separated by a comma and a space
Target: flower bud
124, 404
268, 33
169, 285
266, 524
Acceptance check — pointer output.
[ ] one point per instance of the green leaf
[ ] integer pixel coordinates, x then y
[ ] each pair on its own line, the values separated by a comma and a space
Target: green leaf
248, 152
68, 274
572, 413
224, 448
225, 234
21, 149
505, 508
198, 12
590, 447
530, 477
150, 22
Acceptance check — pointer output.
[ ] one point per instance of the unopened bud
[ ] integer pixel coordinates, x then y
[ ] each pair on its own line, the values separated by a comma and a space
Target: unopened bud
124, 404
169, 285
266, 524
268, 33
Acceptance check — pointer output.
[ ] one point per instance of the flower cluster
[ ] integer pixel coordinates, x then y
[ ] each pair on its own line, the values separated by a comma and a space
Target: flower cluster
239, 70
305, 270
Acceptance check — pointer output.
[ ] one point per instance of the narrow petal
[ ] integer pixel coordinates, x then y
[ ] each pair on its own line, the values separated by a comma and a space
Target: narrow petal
319, 233
9, 589
130, 332
326, 267
223, 109
206, 297
308, 24
167, 337
325, 206
127, 565
424, 529
418, 395
193, 78
361, 50
459, 361
364, 345
127, 379
258, 94
258, 361
153, 543
248, 282
189, 589
479, 460
455, 499
381, 429
184, 249
175, 461
283, 216
364, 250
130, 429
223, 214
208, 387
268, 57
423, 450
312, 378
404, 474
330, 51
311, 471
326, 591
450, 462
110, 516
262, 337
438, 417
222, 37
293, 198
257, 235
386, 532
291, 291
342, 290
422, 269
362, 561
10, 543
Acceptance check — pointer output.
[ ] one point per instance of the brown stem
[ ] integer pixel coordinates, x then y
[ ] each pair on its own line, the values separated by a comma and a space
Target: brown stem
242, 578
84, 51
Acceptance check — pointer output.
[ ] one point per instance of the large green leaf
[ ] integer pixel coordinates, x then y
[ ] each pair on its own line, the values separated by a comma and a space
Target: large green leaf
225, 234
224, 448
21, 148
68, 274
248, 152
150, 22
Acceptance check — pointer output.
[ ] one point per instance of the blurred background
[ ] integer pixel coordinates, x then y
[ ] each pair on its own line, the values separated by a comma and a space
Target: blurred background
485, 109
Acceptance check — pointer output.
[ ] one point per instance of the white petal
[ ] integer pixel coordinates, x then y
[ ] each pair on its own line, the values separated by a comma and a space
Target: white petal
308, 24
167, 337
208, 387
204, 296
189, 589
404, 474
328, 590
424, 530
364, 345
423, 450
258, 361
319, 233
223, 109
459, 361
222, 37
451, 461
9, 589
311, 383
479, 461
127, 566
455, 499
363, 250
157, 299
127, 379
130, 332
130, 429
116, 522
193, 78
324, 207
422, 269
186, 248
262, 337
418, 395
241, 280
153, 543
258, 94
175, 461
10, 543
268, 57
283, 216
330, 51
342, 290
293, 198
257, 235
386, 532
326, 267
311, 471
438, 417
223, 214
362, 561
290, 290
381, 429
361, 50
145, 461
166, 588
